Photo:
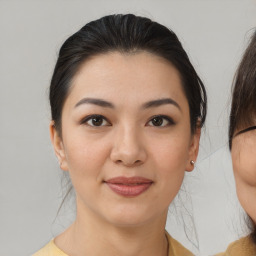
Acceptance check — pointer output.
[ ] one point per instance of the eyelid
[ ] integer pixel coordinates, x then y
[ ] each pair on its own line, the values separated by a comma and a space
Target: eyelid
89, 117
169, 119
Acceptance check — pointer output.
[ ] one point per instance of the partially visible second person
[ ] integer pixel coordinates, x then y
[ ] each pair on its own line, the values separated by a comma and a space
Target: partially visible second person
242, 143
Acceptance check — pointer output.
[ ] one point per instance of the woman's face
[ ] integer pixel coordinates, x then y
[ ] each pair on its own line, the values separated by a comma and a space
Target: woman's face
244, 166
126, 137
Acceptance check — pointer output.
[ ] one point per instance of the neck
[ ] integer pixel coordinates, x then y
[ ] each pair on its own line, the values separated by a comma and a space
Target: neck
90, 235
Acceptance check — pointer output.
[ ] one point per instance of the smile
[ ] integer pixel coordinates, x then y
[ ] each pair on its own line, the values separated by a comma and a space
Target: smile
129, 187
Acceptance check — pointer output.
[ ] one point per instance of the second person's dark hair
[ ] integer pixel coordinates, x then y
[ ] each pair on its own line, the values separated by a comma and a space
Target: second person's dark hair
126, 34
243, 107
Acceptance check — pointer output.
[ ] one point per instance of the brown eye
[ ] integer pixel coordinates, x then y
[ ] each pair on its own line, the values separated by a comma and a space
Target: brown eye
161, 121
157, 121
96, 120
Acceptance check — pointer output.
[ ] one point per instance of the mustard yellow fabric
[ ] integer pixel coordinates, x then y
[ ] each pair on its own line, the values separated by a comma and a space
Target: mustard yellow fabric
175, 249
241, 247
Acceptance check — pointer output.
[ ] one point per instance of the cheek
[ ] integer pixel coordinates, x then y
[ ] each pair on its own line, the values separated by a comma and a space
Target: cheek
172, 151
171, 157
244, 165
245, 172
169, 162
85, 156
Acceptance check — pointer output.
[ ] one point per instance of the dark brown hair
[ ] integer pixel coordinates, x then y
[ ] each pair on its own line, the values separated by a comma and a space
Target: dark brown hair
124, 33
243, 107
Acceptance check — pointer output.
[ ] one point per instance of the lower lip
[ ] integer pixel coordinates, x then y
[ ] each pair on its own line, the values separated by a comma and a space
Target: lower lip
129, 190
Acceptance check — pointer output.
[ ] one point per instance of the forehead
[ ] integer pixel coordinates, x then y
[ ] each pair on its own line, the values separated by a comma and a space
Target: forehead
124, 76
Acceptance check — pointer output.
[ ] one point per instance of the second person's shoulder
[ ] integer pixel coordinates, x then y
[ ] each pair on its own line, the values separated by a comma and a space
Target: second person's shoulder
241, 247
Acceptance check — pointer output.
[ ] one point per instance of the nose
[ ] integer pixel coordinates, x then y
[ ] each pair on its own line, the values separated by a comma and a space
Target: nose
128, 148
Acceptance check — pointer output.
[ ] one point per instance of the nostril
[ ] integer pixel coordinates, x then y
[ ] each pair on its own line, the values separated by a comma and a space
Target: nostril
127, 163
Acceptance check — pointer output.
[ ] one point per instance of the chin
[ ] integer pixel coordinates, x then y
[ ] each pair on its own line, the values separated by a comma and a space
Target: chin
129, 222
128, 217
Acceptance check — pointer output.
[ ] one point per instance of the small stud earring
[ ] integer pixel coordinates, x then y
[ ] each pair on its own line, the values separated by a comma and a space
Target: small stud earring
192, 162
60, 162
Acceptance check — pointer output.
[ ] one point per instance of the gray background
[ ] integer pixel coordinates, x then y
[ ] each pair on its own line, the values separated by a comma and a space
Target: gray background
214, 33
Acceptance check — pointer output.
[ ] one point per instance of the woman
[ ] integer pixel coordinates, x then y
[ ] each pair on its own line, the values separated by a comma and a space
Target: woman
127, 109
242, 142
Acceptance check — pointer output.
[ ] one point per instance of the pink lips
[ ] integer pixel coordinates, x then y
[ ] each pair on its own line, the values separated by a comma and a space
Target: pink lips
129, 187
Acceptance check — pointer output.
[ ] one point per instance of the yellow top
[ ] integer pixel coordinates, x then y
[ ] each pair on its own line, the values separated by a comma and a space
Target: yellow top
175, 249
241, 247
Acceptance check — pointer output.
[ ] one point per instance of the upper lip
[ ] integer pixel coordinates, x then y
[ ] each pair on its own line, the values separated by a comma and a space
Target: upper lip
129, 180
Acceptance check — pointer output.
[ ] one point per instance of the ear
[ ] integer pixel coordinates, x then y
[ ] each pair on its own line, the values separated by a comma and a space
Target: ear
58, 147
193, 149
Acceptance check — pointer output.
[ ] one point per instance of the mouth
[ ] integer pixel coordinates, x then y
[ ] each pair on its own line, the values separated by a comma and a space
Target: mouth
129, 187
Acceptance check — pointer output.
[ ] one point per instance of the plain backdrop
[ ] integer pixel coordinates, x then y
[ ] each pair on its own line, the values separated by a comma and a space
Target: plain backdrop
213, 32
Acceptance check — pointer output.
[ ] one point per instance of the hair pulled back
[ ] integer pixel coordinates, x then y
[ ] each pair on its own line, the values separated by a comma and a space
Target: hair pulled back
126, 34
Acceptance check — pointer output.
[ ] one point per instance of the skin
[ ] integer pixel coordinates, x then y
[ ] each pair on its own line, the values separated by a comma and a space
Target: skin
244, 164
127, 144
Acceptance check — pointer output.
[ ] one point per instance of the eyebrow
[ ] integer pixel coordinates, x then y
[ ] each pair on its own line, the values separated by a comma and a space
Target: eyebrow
160, 102
149, 104
98, 102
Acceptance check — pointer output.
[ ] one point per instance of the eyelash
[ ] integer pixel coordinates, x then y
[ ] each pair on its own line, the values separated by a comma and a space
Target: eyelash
90, 117
167, 118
